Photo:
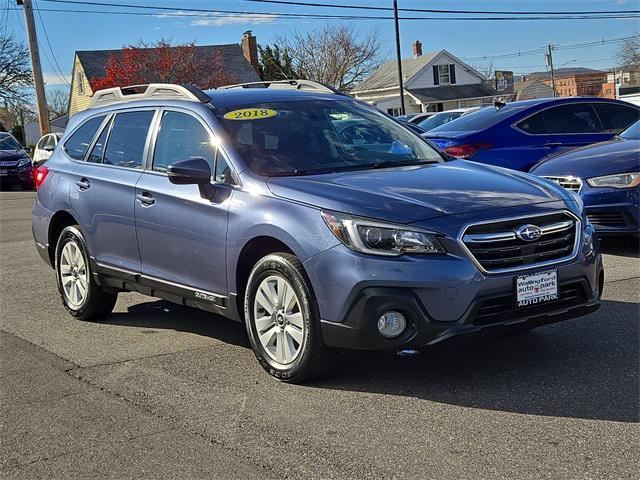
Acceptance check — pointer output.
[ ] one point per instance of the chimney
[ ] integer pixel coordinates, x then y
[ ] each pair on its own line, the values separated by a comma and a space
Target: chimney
250, 49
417, 49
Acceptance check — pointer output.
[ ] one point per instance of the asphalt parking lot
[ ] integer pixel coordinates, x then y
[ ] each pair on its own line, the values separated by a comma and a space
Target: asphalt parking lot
162, 391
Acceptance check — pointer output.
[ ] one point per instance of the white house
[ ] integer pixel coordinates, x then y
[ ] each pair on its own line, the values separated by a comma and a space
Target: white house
433, 82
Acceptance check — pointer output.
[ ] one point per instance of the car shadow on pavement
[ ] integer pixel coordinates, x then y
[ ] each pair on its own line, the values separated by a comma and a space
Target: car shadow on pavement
583, 368
161, 314
627, 246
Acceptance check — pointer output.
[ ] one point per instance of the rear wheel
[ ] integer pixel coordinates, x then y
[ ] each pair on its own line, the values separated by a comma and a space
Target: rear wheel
283, 322
81, 296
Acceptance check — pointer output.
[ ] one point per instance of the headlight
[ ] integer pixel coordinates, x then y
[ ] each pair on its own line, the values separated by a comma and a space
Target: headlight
620, 180
378, 238
23, 162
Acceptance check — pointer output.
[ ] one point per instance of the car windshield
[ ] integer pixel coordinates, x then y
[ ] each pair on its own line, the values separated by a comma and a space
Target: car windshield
439, 119
483, 118
309, 137
9, 143
632, 132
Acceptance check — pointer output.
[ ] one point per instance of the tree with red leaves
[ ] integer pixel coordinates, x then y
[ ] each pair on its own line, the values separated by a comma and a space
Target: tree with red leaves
163, 63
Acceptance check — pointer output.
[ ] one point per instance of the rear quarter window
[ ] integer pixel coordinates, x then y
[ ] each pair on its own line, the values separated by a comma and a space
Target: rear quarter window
483, 118
78, 144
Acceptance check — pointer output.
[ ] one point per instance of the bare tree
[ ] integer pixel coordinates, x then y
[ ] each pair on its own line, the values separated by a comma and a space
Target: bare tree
336, 55
487, 70
629, 53
57, 102
15, 70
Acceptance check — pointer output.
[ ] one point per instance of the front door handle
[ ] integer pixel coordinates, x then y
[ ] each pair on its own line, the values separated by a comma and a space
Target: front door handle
83, 184
146, 199
553, 144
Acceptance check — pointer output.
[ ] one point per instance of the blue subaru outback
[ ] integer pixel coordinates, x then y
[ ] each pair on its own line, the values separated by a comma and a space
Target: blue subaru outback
316, 220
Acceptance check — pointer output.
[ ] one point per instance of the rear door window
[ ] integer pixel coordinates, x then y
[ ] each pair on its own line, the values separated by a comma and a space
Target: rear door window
572, 118
125, 146
616, 117
78, 144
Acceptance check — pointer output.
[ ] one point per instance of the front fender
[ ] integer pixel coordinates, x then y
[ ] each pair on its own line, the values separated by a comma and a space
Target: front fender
300, 227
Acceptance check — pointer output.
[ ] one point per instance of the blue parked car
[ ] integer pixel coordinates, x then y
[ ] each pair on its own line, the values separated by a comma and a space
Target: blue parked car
518, 135
247, 202
607, 177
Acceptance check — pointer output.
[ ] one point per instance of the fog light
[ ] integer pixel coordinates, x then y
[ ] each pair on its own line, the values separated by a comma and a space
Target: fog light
392, 324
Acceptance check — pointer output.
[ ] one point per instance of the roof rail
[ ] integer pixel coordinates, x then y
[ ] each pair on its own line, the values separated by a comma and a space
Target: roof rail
145, 92
285, 84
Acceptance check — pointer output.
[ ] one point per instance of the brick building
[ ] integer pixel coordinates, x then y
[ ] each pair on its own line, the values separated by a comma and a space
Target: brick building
580, 85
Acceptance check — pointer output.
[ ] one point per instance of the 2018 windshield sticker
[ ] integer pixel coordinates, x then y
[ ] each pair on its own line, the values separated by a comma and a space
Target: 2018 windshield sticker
250, 114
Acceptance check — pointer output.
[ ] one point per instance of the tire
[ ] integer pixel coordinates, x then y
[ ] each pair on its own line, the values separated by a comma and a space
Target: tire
287, 326
72, 263
28, 186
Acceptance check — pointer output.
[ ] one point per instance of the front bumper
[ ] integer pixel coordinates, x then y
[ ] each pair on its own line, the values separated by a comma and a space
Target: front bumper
440, 297
16, 176
612, 211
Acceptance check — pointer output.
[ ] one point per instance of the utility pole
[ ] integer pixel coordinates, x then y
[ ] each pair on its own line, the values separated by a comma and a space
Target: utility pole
549, 59
43, 113
399, 57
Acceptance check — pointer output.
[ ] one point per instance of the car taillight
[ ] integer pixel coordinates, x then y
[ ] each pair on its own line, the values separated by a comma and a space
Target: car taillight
465, 151
39, 176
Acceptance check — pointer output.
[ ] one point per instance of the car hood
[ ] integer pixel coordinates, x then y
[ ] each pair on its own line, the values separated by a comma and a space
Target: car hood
605, 158
10, 157
411, 194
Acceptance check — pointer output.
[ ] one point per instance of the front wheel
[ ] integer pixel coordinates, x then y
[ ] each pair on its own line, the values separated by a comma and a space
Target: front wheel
283, 322
81, 295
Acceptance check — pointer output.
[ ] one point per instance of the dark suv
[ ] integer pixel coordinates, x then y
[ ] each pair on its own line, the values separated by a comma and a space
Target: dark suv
15, 165
314, 218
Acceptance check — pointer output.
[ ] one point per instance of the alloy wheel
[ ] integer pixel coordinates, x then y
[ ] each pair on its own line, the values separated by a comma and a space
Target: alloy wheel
278, 319
73, 275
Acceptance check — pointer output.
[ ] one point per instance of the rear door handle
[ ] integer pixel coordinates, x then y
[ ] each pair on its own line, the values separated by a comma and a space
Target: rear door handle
83, 184
553, 144
146, 199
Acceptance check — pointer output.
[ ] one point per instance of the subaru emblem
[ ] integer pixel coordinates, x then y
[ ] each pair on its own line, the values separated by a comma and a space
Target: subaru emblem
528, 233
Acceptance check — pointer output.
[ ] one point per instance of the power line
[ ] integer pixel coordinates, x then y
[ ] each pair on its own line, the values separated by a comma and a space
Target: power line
431, 10
573, 46
185, 10
58, 73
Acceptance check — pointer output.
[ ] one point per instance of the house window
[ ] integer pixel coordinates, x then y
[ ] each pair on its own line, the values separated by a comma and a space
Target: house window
80, 80
394, 112
443, 74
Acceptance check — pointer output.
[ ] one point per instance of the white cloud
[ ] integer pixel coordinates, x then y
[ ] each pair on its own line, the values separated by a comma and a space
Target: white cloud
208, 19
234, 20
51, 79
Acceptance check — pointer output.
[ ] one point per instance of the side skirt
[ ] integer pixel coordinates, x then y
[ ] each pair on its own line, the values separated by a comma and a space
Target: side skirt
121, 279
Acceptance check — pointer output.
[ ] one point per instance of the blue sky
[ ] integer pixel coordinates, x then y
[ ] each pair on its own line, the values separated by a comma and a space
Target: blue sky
68, 32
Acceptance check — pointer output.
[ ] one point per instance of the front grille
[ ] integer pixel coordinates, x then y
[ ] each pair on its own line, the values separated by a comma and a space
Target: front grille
497, 247
569, 183
503, 308
607, 219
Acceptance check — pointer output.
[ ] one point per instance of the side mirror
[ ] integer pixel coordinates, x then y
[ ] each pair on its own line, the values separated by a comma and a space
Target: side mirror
195, 171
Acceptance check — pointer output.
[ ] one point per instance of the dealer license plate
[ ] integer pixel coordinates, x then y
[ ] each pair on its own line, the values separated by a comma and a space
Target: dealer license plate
536, 288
